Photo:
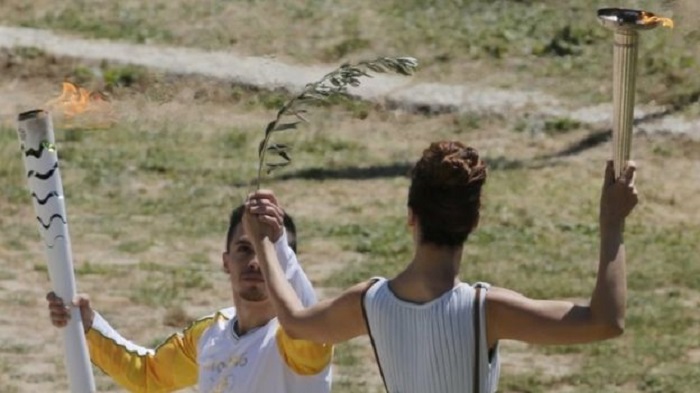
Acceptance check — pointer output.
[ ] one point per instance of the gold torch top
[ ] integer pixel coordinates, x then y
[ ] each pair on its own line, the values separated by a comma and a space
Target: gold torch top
627, 19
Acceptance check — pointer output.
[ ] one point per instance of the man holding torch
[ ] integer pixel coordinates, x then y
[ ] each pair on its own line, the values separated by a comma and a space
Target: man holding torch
237, 349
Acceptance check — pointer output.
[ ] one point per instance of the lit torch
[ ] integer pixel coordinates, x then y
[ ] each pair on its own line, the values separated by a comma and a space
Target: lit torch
37, 142
626, 25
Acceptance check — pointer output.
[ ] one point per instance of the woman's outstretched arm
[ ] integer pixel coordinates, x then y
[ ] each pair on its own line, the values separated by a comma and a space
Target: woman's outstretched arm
329, 321
511, 315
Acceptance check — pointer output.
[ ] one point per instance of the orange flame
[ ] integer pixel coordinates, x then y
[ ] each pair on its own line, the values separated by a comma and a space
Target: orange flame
75, 100
649, 18
94, 108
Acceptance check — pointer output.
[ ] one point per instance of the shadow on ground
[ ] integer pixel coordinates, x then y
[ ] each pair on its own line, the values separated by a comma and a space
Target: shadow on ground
602, 136
398, 169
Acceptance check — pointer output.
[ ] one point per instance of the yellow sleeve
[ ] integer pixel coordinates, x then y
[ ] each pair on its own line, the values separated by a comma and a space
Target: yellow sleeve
302, 356
171, 366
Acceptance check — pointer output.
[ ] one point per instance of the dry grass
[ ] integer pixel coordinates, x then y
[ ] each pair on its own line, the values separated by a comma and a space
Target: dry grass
147, 197
543, 45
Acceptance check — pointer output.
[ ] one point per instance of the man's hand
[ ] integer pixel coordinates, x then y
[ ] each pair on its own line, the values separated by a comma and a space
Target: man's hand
264, 207
619, 195
60, 313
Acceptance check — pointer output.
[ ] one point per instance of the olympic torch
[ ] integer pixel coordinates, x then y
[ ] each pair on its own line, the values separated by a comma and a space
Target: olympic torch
36, 137
626, 25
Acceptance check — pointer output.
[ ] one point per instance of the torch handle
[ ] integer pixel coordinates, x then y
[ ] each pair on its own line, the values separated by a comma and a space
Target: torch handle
41, 163
624, 76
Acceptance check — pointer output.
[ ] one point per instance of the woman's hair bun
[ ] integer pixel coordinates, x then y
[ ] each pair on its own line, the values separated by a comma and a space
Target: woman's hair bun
450, 164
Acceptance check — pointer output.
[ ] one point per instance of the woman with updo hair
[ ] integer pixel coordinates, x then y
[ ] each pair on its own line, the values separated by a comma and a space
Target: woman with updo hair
432, 333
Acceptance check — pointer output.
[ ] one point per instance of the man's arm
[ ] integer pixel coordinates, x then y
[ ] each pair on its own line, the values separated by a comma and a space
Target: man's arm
171, 366
511, 315
269, 209
293, 271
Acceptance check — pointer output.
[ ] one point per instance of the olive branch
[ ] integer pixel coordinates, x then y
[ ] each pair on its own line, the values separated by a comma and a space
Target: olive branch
335, 83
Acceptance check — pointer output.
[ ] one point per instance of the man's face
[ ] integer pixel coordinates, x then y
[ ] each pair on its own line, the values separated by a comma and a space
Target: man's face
241, 264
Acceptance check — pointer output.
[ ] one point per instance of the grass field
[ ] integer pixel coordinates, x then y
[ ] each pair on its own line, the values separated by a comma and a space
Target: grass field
550, 45
147, 194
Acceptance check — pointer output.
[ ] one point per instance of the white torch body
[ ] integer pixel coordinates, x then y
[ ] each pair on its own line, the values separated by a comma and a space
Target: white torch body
36, 135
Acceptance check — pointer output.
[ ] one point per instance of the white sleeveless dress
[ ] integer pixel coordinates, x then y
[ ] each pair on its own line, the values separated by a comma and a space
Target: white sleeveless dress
429, 348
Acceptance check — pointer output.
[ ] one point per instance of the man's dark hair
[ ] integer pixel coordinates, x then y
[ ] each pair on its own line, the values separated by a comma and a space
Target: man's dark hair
237, 217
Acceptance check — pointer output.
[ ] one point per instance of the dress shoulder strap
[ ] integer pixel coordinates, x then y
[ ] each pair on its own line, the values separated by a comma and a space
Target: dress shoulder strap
477, 338
479, 288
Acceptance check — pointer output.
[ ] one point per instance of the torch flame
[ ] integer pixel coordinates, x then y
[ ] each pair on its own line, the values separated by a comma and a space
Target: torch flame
649, 18
75, 100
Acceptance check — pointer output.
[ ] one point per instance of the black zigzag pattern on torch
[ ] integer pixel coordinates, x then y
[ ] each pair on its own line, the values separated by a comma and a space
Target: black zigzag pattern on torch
43, 176
46, 226
48, 196
34, 152
52, 245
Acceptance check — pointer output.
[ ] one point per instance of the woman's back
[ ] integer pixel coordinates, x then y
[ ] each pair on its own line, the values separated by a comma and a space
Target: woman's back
428, 348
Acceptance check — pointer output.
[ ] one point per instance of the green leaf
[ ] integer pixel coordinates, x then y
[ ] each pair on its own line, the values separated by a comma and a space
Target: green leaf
270, 127
271, 166
298, 114
285, 126
315, 96
377, 67
285, 155
281, 150
278, 146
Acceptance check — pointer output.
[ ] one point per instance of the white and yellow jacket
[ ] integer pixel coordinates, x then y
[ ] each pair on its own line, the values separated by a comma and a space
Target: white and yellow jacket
210, 354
